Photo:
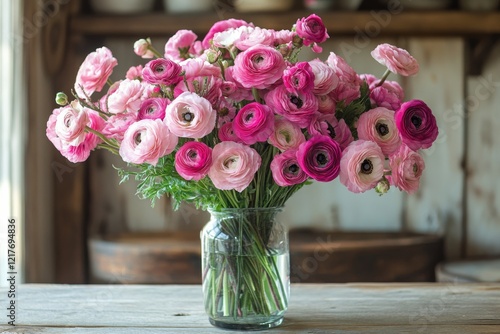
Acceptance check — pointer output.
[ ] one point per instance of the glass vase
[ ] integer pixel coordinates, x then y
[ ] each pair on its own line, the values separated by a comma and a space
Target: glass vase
245, 268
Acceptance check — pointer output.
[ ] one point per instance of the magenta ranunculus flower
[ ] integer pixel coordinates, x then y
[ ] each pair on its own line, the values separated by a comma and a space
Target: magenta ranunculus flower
221, 26
407, 167
311, 29
416, 124
70, 124
226, 133
259, 66
233, 166
397, 60
325, 79
349, 85
153, 108
193, 160
378, 125
286, 135
254, 123
190, 116
180, 45
299, 78
162, 72
126, 98
319, 157
298, 108
361, 166
94, 72
286, 170
146, 141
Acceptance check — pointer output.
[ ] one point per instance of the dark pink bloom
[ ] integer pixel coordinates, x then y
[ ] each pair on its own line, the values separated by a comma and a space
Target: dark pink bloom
193, 160
407, 167
286, 135
311, 29
319, 157
153, 108
286, 170
258, 67
254, 123
221, 26
226, 133
416, 124
162, 72
297, 108
299, 78
361, 166
328, 125
208, 87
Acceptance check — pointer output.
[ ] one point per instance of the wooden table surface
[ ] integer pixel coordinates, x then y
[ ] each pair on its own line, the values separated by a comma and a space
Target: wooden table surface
314, 309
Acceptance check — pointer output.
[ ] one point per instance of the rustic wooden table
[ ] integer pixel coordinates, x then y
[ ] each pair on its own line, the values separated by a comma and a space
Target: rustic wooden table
322, 308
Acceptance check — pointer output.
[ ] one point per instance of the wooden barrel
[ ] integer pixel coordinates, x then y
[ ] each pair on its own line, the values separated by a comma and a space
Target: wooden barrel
315, 257
469, 271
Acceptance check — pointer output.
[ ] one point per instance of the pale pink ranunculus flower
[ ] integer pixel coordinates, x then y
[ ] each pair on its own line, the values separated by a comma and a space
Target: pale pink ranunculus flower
81, 152
193, 160
326, 104
126, 98
407, 167
349, 85
94, 72
70, 124
325, 79
254, 36
361, 166
286, 135
134, 73
117, 124
103, 101
283, 37
146, 141
233, 166
221, 26
141, 48
50, 131
180, 45
379, 125
190, 116
197, 67
397, 60
258, 67
226, 39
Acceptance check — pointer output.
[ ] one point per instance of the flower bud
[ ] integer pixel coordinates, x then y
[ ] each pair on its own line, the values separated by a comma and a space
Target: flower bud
212, 56
61, 99
383, 186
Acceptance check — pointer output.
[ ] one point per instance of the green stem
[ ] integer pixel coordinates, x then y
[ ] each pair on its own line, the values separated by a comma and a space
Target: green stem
382, 80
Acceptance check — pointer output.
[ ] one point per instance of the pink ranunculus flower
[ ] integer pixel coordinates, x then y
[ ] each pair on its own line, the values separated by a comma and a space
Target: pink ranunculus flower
259, 66
297, 108
416, 124
162, 72
389, 95
193, 160
153, 108
397, 60
116, 125
254, 123
180, 45
226, 133
311, 29
126, 98
319, 157
146, 141
240, 93
190, 116
197, 67
370, 79
323, 124
286, 170
94, 72
361, 166
50, 131
343, 134
134, 73
299, 78
286, 135
233, 166
283, 36
81, 152
326, 104
407, 167
141, 48
226, 112
70, 124
221, 26
325, 79
379, 126
207, 87
349, 85
254, 36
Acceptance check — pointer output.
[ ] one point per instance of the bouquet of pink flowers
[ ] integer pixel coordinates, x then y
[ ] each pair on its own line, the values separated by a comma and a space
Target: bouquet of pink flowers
236, 121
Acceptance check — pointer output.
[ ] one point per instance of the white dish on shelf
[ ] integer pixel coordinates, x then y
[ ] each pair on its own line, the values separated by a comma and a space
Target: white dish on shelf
122, 6
262, 5
188, 6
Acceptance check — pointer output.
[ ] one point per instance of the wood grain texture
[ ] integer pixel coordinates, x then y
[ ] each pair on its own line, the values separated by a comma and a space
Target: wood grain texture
351, 308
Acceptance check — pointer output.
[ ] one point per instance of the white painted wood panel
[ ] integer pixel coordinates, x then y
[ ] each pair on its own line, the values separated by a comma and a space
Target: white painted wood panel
437, 206
483, 163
